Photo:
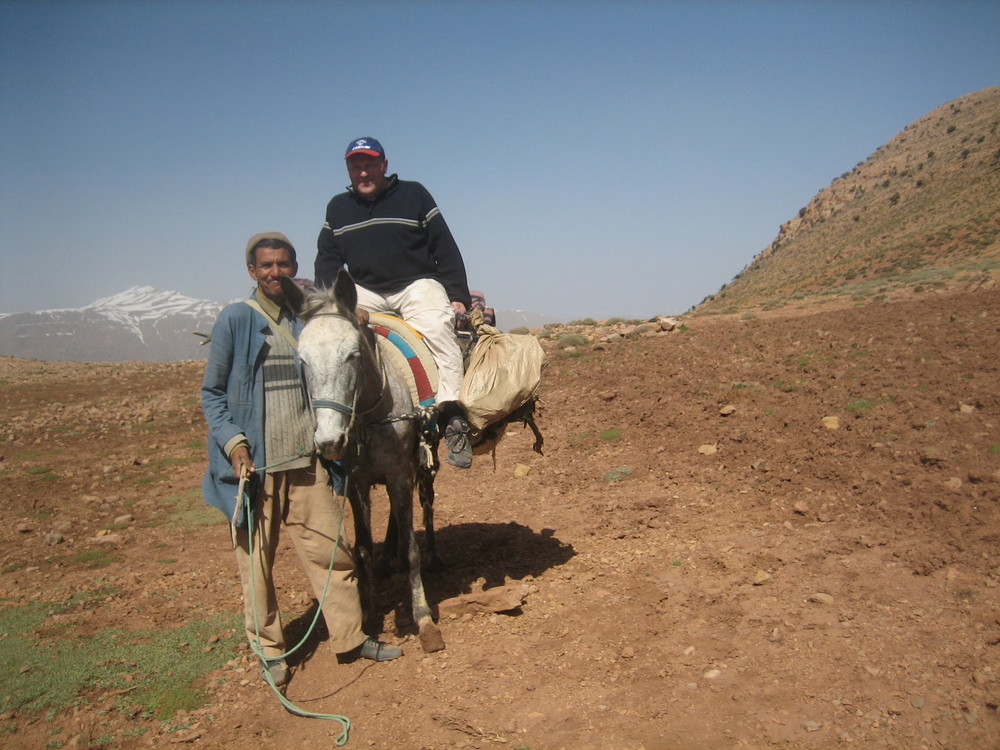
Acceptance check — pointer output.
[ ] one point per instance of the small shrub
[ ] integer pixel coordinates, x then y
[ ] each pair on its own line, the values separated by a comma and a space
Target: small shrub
519, 330
572, 339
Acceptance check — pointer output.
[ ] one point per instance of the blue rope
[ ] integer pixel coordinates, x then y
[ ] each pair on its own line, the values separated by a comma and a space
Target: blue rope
255, 646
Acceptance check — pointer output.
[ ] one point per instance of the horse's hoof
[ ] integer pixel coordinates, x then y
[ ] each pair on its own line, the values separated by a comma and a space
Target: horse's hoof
430, 638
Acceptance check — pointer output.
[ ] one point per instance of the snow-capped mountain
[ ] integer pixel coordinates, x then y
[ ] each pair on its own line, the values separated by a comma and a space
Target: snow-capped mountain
141, 323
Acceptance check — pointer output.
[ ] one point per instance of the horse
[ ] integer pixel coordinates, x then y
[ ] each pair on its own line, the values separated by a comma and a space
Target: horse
366, 418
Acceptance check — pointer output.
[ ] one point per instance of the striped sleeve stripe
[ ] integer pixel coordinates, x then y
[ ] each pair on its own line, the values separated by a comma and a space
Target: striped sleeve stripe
376, 222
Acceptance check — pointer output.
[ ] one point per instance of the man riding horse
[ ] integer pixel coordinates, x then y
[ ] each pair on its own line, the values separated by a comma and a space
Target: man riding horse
391, 236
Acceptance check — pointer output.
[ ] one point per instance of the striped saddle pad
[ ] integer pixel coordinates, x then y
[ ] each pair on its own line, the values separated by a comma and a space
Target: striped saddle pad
403, 347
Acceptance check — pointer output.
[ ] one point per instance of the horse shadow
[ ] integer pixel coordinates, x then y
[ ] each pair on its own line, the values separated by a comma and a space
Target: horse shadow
297, 632
475, 556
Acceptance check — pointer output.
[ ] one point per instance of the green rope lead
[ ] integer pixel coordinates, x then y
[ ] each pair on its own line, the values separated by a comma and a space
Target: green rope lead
255, 646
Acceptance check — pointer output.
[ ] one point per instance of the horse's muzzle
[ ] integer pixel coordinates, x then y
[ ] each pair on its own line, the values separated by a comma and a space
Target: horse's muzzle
332, 450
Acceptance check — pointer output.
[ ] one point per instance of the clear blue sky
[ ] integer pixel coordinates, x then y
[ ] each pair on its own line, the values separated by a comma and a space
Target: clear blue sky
592, 158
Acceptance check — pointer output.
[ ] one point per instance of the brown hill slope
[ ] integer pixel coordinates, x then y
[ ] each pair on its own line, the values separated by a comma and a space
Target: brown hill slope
922, 211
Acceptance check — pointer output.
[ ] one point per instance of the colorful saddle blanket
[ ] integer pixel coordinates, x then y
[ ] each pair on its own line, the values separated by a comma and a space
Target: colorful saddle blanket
403, 347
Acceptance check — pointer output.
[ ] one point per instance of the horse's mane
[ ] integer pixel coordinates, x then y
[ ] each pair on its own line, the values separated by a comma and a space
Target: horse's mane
322, 299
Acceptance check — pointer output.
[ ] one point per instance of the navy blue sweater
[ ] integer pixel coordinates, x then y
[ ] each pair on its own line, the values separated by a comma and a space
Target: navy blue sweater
390, 242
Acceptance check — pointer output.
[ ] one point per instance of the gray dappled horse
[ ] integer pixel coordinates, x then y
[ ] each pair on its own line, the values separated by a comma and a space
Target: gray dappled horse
366, 418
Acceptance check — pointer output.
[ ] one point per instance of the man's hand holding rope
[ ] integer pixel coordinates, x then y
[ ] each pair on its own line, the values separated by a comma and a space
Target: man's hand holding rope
241, 461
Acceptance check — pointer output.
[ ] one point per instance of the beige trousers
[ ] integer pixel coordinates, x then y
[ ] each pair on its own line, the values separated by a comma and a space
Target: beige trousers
303, 502
424, 305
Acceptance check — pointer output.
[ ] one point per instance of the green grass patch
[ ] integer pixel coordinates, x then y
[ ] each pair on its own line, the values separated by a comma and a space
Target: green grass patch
162, 670
994, 449
189, 509
617, 474
861, 404
29, 455
96, 558
785, 386
611, 434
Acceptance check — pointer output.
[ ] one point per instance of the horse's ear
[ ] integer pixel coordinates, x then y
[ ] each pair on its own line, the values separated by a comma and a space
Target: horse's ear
293, 295
345, 293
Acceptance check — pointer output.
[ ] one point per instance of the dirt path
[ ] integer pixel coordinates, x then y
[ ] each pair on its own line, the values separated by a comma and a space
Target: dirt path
707, 560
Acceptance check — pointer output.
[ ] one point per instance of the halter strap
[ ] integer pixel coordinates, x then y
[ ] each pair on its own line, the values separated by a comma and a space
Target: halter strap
329, 403
351, 411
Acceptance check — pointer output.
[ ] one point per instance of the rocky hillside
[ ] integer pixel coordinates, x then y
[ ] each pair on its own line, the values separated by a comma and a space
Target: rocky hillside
921, 212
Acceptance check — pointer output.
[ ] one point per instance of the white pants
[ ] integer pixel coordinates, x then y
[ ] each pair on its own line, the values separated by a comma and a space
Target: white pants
424, 304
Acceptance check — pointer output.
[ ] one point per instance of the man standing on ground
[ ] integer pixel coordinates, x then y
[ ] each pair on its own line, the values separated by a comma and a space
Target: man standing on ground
260, 426
391, 236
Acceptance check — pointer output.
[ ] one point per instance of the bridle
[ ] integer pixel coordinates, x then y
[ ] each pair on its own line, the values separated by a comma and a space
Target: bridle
352, 412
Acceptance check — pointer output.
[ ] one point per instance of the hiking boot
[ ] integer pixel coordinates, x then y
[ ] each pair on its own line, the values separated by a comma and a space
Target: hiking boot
371, 649
456, 437
278, 670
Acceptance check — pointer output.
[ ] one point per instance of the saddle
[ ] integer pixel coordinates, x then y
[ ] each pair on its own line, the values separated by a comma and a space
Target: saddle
403, 347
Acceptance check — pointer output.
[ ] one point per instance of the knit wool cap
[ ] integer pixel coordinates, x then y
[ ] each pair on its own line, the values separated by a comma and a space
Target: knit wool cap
258, 238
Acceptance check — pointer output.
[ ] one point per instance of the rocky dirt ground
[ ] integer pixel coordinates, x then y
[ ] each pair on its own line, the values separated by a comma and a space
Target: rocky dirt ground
772, 531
